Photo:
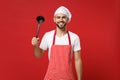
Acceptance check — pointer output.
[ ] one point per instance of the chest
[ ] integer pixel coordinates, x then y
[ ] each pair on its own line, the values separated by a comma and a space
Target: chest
61, 40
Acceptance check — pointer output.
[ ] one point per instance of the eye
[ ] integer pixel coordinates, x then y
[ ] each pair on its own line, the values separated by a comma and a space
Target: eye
61, 17
64, 17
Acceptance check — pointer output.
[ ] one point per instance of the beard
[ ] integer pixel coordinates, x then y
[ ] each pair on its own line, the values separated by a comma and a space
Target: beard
61, 26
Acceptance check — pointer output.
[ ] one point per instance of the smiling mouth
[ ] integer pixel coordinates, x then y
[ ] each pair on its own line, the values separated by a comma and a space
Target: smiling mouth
61, 23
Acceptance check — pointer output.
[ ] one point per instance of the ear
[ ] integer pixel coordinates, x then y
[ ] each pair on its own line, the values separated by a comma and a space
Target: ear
68, 20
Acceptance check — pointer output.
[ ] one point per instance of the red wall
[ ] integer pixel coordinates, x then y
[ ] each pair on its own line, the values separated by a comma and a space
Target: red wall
95, 21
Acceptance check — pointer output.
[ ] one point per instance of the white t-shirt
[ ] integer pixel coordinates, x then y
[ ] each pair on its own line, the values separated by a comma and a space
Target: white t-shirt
47, 41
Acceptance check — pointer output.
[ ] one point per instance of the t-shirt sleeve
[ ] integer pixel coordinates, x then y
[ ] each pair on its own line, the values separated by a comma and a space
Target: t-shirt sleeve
44, 43
77, 45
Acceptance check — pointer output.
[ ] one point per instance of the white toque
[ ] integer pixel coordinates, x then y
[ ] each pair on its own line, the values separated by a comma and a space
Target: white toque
63, 10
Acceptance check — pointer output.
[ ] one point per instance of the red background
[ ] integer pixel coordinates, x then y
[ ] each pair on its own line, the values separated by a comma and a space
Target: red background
95, 21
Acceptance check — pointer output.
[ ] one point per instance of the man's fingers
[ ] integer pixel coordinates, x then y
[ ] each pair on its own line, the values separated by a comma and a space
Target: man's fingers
35, 41
38, 39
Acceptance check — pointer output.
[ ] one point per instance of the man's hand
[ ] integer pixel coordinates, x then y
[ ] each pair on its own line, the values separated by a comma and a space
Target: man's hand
35, 41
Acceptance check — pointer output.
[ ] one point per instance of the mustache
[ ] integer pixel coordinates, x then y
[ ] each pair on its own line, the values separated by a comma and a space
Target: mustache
61, 22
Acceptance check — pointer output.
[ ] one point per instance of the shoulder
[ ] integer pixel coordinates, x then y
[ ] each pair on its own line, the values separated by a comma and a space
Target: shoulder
48, 37
73, 35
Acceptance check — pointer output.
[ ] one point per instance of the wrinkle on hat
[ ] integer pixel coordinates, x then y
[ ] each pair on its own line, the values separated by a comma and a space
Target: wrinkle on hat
63, 10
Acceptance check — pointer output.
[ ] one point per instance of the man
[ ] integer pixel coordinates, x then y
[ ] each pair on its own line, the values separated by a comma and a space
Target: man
61, 44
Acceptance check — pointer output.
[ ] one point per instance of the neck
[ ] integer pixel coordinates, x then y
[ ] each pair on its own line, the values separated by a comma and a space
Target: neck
61, 32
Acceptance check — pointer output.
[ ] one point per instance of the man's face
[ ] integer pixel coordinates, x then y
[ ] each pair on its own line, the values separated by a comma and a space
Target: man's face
60, 20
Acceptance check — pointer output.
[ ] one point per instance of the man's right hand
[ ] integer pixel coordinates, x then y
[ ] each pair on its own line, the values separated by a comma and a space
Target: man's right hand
35, 41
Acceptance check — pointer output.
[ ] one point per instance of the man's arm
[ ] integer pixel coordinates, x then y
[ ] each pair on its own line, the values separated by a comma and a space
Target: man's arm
37, 51
78, 64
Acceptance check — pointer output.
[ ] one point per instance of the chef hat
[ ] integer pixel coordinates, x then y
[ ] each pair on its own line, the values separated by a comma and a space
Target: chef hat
63, 10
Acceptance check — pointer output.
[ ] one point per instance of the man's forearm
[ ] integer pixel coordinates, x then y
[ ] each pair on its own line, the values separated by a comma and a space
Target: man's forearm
37, 51
78, 66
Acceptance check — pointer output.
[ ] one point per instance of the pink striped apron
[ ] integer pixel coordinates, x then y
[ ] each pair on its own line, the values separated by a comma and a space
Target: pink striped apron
60, 63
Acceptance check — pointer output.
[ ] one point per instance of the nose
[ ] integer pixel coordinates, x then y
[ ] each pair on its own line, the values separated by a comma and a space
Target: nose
61, 19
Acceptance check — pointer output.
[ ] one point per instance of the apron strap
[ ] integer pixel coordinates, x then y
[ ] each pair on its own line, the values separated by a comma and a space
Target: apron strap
68, 37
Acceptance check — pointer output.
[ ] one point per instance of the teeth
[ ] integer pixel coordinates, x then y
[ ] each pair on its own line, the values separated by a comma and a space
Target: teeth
60, 23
